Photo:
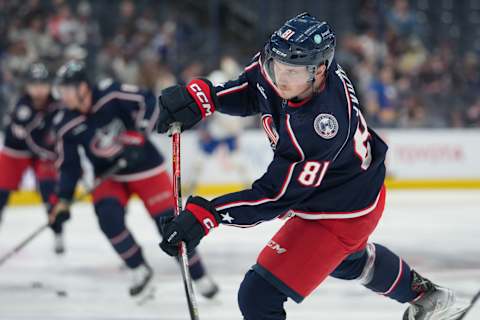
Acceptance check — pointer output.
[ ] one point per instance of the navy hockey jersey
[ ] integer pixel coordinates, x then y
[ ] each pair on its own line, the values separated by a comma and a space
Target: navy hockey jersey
29, 132
327, 163
115, 108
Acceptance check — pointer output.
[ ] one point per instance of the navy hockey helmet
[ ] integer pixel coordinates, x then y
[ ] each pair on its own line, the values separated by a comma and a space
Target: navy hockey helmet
301, 41
37, 73
72, 73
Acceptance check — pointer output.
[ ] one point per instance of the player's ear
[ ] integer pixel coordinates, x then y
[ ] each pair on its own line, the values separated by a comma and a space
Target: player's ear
320, 70
320, 73
83, 87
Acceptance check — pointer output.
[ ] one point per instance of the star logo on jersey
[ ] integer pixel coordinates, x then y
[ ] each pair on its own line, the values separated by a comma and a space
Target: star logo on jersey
227, 217
326, 125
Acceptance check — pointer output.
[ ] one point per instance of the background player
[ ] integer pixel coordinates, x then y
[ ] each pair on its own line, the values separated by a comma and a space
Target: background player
327, 176
112, 121
29, 142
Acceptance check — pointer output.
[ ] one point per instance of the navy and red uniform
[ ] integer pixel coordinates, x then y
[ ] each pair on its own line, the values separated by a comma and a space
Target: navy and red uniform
115, 109
29, 142
327, 175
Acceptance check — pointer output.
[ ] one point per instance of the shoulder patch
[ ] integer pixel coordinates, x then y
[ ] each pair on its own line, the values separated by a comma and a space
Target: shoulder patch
326, 125
23, 112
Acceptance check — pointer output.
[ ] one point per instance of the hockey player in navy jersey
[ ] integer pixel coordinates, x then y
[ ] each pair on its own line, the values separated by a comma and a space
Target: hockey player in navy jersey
29, 142
326, 178
110, 122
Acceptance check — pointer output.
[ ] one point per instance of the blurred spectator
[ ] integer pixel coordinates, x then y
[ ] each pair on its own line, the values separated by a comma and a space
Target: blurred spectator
401, 19
65, 28
382, 99
472, 114
408, 73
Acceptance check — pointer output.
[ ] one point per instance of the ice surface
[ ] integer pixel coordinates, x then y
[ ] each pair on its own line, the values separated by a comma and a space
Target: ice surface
438, 232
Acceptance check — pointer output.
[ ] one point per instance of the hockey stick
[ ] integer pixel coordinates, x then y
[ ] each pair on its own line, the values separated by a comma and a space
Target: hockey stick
118, 166
472, 303
177, 194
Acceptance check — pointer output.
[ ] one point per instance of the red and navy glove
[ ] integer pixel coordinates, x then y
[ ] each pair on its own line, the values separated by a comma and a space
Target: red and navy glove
133, 143
191, 225
58, 212
186, 104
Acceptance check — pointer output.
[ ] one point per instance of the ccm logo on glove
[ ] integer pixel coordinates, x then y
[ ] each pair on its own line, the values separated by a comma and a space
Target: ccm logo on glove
201, 96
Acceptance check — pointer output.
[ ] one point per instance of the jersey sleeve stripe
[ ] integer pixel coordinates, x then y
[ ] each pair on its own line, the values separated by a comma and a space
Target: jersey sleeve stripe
39, 150
285, 184
153, 120
63, 130
16, 153
266, 120
69, 125
233, 89
116, 94
251, 66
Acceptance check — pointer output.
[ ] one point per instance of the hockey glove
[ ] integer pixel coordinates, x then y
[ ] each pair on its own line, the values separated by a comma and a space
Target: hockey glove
186, 104
133, 143
58, 212
191, 225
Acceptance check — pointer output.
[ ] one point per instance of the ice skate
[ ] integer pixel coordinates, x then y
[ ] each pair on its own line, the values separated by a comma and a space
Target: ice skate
437, 303
140, 278
59, 244
206, 287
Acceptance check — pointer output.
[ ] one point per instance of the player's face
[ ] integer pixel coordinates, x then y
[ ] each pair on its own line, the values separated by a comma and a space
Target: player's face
69, 96
38, 91
73, 96
292, 81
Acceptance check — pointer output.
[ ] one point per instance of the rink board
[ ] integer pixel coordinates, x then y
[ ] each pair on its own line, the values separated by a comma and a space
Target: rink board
417, 159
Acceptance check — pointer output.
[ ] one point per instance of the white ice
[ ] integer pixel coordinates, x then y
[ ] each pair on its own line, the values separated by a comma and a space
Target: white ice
437, 232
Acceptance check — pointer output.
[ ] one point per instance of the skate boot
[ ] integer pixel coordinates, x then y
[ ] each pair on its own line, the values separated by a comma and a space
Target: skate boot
140, 278
206, 287
434, 302
59, 244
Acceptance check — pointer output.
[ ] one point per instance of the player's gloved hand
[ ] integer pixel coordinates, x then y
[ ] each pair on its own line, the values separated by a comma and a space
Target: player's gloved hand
193, 223
58, 212
133, 143
186, 104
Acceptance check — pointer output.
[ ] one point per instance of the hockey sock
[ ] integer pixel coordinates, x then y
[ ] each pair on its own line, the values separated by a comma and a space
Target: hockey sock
111, 217
47, 188
3, 200
382, 271
195, 265
258, 299
392, 277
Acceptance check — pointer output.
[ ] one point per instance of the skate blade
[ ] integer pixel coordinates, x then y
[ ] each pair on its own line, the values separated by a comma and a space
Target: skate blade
147, 295
454, 312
